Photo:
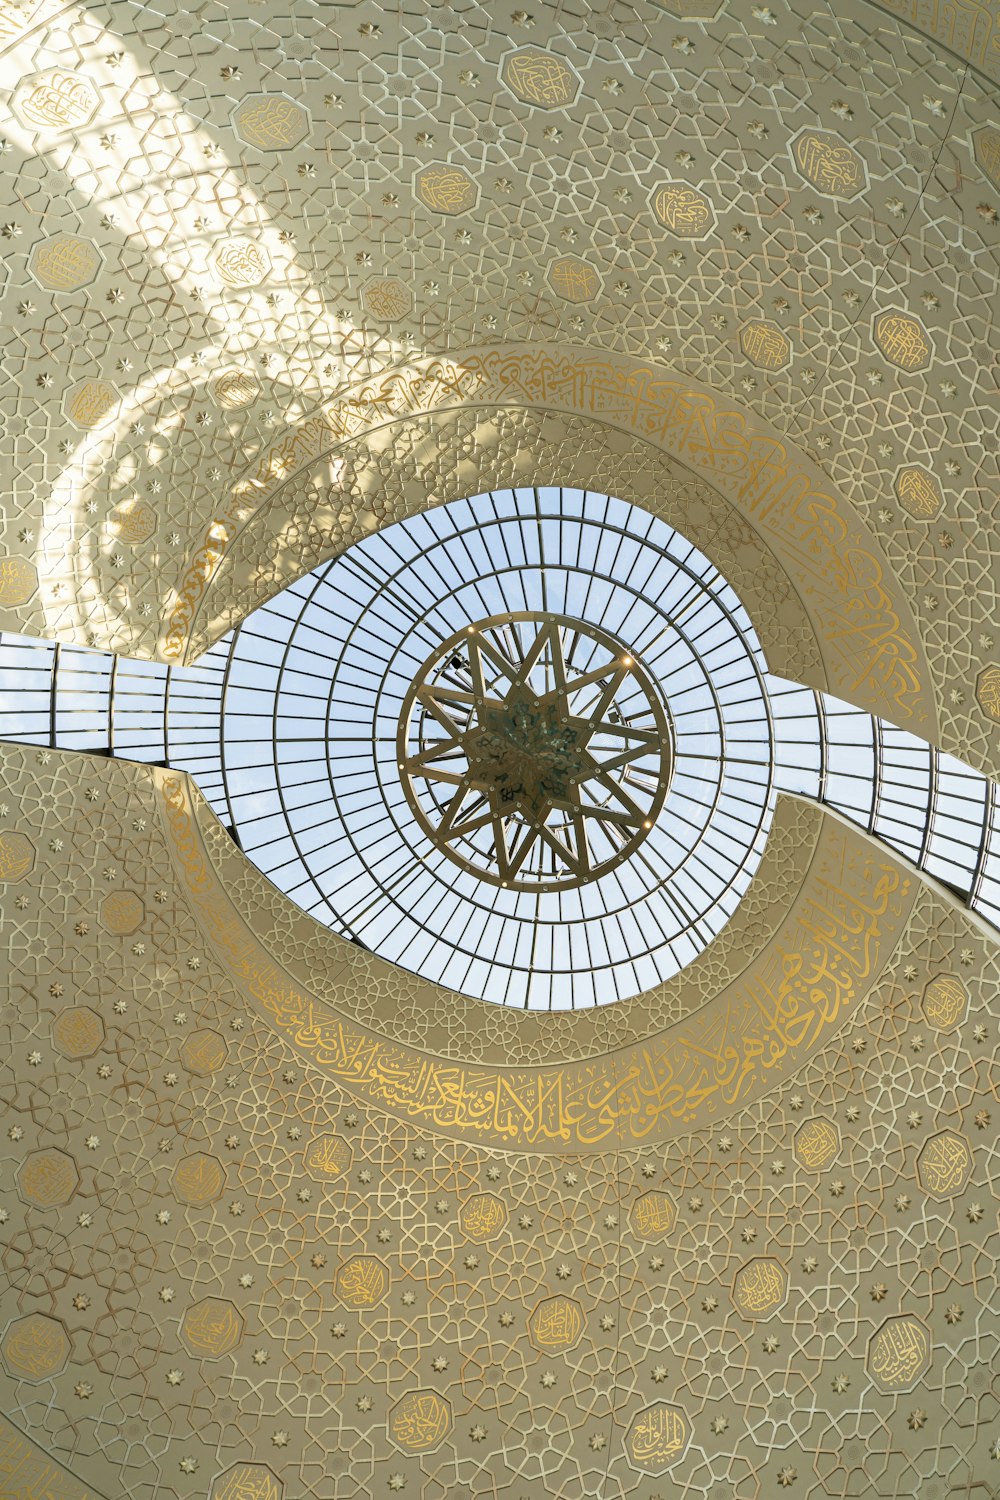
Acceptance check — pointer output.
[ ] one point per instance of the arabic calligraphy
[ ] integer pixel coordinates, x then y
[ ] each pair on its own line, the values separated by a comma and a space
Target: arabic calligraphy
77, 1031
988, 692
35, 1347
198, 1179
57, 101
88, 404
899, 1354
817, 1143
242, 263
482, 1217
682, 209
539, 77
556, 1323
765, 345
27, 1473
657, 1438
902, 340
652, 1216
573, 279
211, 1328
872, 648
133, 521
122, 912
326, 1157
946, 1001
801, 987
271, 122
446, 189
420, 1421
64, 263
17, 852
247, 1482
48, 1178
944, 1164
386, 297
760, 1288
987, 149
203, 1052
234, 389
918, 492
828, 163
361, 1281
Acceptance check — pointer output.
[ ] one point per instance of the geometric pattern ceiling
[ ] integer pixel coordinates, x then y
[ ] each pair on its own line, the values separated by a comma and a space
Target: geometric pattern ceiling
277, 1218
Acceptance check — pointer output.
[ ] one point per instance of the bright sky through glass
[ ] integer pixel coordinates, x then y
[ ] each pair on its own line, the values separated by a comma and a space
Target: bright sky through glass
289, 725
325, 668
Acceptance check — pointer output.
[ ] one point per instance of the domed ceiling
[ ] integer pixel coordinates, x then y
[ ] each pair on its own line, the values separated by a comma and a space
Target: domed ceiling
280, 1215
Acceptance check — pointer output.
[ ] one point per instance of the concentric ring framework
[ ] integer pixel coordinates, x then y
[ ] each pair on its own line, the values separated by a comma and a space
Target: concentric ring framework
316, 682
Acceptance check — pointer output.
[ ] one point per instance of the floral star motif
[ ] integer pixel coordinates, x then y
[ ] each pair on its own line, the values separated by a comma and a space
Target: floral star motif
518, 758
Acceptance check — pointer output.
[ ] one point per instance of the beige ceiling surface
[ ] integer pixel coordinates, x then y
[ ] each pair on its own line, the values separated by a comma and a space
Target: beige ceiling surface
241, 1245
218, 219
277, 1220
812, 560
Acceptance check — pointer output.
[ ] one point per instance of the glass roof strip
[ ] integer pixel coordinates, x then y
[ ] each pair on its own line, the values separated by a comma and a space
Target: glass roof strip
350, 676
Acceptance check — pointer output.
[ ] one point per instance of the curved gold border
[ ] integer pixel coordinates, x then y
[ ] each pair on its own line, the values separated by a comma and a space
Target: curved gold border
871, 648
826, 954
28, 1472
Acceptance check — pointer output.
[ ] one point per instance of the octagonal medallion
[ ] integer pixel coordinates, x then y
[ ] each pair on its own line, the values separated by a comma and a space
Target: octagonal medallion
326, 1158
902, 340
35, 1348
539, 77
17, 855
482, 1217
946, 1000
90, 402
18, 581
271, 122
446, 189
247, 1482
683, 210
651, 1216
760, 1287
122, 913
556, 1324
361, 1281
198, 1179
48, 1178
944, 1164
211, 1328
657, 1438
204, 1052
64, 262
918, 492
77, 1031
817, 1143
420, 1422
899, 1354
988, 692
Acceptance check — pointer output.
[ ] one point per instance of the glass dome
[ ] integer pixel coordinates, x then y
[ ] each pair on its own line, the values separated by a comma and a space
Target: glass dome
337, 789
523, 744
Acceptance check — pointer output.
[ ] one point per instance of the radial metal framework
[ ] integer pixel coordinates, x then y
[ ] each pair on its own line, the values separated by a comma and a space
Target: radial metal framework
534, 751
291, 726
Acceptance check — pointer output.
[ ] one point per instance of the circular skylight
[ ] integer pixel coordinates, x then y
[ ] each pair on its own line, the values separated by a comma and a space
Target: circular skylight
518, 744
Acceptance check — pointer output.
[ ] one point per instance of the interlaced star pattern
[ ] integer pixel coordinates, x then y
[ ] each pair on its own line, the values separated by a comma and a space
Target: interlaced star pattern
534, 751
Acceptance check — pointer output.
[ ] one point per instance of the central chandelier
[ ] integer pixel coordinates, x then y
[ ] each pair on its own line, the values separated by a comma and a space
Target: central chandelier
534, 751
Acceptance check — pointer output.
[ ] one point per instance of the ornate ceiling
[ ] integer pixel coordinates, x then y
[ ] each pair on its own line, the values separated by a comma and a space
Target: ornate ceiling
278, 1219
